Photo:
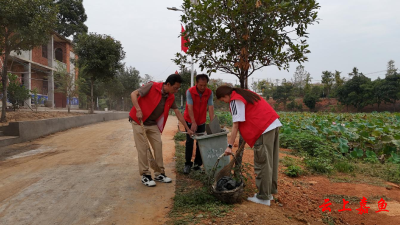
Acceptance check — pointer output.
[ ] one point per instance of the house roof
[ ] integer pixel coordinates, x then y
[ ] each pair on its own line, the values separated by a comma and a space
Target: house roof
60, 38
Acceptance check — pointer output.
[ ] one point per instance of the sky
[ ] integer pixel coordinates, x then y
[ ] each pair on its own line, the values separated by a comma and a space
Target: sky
351, 33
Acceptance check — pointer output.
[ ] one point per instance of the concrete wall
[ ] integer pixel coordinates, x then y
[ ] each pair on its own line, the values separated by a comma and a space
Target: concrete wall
29, 130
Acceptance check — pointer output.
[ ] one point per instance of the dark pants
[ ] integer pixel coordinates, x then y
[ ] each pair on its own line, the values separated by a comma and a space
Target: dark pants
189, 147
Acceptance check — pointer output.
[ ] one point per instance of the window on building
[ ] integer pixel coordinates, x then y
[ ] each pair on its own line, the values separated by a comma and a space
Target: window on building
59, 54
44, 51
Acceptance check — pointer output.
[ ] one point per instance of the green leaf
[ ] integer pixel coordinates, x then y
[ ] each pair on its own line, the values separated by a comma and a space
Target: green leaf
370, 154
387, 139
396, 142
376, 133
343, 145
357, 153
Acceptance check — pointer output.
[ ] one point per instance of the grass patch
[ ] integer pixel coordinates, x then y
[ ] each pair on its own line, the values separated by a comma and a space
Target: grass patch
180, 136
353, 199
344, 166
388, 171
193, 201
287, 161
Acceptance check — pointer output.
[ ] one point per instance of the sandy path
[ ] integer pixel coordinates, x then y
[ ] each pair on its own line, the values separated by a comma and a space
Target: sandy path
87, 175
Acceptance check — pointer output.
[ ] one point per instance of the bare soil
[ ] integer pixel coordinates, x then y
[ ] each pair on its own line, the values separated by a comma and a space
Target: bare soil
16, 116
298, 201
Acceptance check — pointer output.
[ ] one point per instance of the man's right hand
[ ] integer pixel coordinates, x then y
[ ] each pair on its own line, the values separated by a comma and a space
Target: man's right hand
139, 114
193, 127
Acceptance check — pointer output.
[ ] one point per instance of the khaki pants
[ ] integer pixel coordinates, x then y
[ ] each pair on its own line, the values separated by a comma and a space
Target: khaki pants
154, 136
266, 158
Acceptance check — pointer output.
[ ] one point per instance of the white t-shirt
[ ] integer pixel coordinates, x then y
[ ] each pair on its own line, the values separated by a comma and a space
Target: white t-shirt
239, 115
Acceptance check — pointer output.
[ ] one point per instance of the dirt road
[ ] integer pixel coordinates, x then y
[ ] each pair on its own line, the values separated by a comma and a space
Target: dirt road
87, 175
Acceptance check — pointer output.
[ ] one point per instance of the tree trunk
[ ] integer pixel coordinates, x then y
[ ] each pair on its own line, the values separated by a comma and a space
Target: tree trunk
91, 96
69, 104
4, 82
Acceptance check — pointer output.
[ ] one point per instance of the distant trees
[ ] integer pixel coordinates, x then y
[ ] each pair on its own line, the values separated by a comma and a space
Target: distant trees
283, 93
99, 58
299, 80
358, 91
328, 80
391, 69
355, 91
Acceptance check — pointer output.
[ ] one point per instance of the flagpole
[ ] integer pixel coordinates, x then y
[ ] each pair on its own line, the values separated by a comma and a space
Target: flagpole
191, 76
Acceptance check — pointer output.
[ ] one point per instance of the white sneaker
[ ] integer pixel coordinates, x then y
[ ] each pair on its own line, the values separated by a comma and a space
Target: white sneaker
259, 201
163, 178
148, 181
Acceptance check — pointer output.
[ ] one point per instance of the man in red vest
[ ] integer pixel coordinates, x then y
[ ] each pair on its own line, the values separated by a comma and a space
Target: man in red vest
151, 104
258, 124
198, 98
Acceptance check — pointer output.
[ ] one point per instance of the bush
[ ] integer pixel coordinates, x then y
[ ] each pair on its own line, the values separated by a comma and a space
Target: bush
16, 92
293, 171
310, 100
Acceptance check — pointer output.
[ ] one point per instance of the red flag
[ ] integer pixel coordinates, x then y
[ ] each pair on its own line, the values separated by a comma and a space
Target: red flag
183, 41
176, 72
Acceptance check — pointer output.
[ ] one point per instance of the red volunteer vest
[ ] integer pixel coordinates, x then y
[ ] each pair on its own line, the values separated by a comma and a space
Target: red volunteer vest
149, 102
258, 118
199, 106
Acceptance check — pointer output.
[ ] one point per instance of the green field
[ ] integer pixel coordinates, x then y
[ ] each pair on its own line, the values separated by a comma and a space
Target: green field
356, 135
361, 135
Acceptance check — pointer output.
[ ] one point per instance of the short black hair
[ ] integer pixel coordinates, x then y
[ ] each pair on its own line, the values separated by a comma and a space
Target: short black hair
201, 77
173, 78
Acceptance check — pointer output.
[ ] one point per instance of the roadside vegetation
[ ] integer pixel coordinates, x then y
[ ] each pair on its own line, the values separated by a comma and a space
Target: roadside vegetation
193, 201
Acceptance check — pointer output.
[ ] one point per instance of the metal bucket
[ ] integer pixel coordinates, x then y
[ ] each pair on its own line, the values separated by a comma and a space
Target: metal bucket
211, 147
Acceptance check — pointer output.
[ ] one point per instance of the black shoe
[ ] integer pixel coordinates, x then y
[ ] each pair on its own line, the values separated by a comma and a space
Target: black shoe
186, 169
148, 181
196, 167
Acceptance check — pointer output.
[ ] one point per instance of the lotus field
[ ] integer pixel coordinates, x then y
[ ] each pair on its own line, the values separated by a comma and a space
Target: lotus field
370, 136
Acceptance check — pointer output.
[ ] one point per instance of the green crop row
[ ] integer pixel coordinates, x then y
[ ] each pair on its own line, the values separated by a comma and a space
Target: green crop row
370, 136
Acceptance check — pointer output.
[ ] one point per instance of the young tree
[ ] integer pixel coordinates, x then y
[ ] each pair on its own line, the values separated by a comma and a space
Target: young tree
99, 58
327, 80
391, 69
66, 83
339, 81
24, 24
265, 87
241, 37
299, 81
307, 86
71, 17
